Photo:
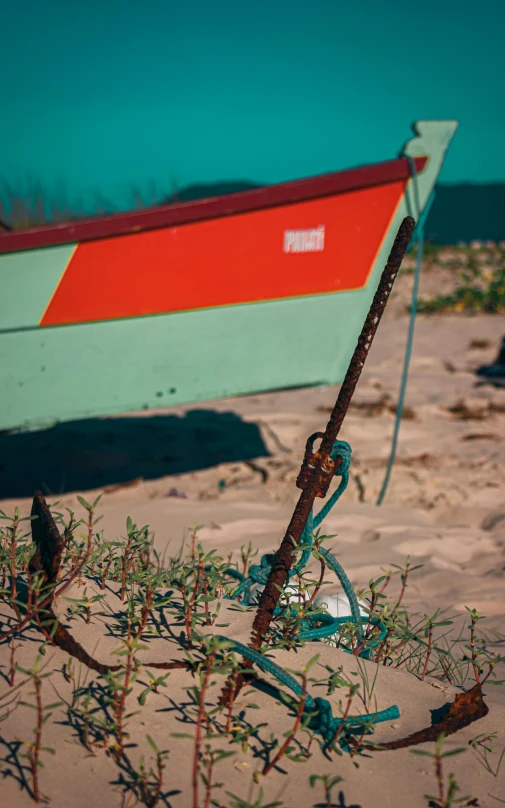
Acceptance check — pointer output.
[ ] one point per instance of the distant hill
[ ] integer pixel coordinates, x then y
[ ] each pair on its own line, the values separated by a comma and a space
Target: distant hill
205, 190
467, 212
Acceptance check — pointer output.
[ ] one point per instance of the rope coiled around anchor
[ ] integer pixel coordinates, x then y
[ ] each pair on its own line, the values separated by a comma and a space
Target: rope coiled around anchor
318, 709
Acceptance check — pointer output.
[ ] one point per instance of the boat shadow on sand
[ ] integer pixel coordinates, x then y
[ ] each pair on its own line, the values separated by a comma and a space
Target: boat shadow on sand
100, 452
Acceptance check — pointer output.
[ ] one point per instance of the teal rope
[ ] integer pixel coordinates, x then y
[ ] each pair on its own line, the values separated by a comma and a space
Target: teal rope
259, 573
419, 236
322, 719
341, 449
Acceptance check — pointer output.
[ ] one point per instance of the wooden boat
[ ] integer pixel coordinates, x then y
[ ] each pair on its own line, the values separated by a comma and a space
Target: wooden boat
242, 293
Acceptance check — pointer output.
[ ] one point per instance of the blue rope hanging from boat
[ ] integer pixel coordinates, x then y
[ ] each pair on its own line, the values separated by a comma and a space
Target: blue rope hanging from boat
418, 238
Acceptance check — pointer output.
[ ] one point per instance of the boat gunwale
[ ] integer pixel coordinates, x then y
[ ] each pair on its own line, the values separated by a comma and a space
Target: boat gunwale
214, 207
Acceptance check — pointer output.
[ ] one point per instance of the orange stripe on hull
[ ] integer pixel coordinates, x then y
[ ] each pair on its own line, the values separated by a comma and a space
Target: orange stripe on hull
230, 260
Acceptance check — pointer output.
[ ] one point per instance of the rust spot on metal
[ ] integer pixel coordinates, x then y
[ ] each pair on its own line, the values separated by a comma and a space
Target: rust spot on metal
317, 471
464, 710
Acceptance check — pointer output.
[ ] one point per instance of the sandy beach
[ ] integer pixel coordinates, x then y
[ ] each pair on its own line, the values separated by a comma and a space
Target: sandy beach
230, 467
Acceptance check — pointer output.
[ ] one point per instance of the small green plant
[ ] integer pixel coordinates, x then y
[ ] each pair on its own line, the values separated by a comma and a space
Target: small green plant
246, 556
209, 760
478, 290
328, 783
483, 747
188, 588
215, 660
204, 670
150, 780
120, 685
446, 796
250, 802
155, 682
479, 653
42, 714
82, 606
430, 625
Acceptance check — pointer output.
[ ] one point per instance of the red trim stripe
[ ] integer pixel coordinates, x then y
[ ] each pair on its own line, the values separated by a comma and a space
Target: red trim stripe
169, 215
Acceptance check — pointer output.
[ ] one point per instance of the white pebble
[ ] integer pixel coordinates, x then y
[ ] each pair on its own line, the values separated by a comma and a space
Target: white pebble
338, 605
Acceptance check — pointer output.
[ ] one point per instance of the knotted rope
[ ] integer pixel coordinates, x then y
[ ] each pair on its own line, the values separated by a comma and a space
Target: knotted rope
317, 709
259, 573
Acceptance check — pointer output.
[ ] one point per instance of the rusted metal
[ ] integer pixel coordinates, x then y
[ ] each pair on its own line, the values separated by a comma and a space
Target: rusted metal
464, 710
315, 476
47, 537
317, 467
47, 558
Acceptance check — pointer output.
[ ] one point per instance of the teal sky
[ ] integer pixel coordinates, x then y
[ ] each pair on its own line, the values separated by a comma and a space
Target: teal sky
101, 97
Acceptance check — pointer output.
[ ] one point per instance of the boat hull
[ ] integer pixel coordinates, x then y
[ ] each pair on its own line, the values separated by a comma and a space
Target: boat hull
227, 305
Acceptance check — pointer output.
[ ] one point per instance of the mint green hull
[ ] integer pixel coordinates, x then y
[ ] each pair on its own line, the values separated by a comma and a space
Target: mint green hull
120, 366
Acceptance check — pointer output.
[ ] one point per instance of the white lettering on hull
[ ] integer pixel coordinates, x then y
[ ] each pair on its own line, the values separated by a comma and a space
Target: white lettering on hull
296, 241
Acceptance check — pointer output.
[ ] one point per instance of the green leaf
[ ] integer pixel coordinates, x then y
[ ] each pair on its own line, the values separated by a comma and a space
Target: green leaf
84, 503
220, 754
311, 663
152, 745
452, 752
